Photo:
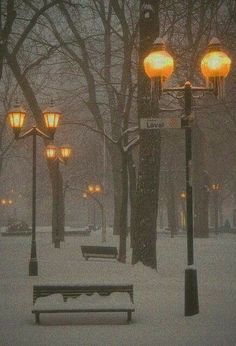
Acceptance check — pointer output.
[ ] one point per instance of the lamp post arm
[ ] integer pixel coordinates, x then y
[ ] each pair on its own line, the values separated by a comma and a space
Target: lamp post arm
60, 160
27, 133
194, 88
173, 89
33, 131
43, 134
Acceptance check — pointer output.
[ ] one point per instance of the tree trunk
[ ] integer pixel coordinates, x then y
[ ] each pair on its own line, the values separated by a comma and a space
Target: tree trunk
144, 247
132, 196
117, 184
123, 210
58, 208
201, 185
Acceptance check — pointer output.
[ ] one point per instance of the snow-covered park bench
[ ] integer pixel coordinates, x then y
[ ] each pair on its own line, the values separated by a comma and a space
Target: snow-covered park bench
82, 298
99, 251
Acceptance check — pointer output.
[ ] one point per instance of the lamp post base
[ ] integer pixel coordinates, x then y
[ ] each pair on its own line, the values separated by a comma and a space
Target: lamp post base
33, 267
191, 292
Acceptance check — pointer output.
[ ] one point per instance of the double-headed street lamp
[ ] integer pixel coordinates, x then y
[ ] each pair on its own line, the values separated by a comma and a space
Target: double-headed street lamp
16, 117
215, 66
5, 203
57, 156
92, 190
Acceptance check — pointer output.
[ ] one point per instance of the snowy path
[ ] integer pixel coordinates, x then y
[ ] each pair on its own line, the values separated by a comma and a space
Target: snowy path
159, 297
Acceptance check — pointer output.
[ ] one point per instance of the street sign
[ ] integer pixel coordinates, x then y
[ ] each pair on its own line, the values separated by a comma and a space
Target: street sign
160, 123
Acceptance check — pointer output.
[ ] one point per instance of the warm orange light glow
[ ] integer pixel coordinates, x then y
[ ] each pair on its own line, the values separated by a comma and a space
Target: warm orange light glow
94, 188
183, 195
10, 201
159, 64
98, 188
85, 195
16, 117
91, 188
215, 187
215, 64
3, 201
51, 152
66, 151
51, 117
51, 120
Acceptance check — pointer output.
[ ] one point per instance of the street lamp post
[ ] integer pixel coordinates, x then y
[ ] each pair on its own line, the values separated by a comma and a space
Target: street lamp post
16, 117
91, 191
183, 203
215, 189
57, 156
215, 67
5, 203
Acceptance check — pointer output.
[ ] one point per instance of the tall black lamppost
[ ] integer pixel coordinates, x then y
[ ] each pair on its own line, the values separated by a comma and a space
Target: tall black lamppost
215, 190
183, 203
16, 117
215, 66
57, 156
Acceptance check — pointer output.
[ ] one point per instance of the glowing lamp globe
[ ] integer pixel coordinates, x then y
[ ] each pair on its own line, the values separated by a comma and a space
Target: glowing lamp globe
16, 117
66, 152
215, 187
215, 64
90, 188
51, 152
215, 67
159, 63
98, 188
51, 117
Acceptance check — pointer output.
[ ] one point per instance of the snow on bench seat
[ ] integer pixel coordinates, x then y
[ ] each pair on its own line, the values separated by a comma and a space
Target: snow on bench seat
54, 298
55, 302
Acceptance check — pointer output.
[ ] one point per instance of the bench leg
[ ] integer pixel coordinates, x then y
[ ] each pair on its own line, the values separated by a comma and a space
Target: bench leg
129, 316
37, 320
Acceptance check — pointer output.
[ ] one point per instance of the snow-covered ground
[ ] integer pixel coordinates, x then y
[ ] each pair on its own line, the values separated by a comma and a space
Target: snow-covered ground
159, 296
